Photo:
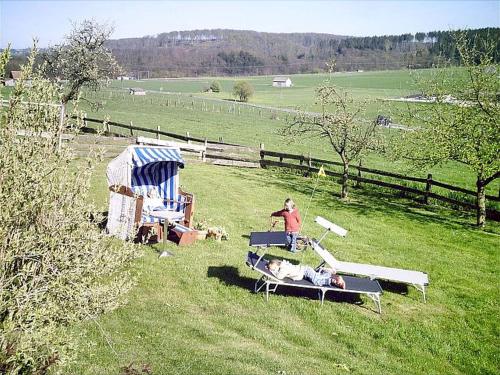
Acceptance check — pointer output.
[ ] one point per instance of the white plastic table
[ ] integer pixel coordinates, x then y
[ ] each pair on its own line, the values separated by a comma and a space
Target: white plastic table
167, 217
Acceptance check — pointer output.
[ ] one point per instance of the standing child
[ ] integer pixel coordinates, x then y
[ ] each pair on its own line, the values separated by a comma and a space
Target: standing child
292, 223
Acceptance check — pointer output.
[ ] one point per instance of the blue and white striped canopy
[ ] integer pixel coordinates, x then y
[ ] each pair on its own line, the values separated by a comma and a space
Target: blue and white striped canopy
146, 155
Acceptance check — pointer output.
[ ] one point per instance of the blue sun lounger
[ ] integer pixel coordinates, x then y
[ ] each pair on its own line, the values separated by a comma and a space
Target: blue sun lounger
354, 285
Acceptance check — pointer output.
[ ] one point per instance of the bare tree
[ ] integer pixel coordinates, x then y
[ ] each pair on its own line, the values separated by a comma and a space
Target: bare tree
82, 60
341, 123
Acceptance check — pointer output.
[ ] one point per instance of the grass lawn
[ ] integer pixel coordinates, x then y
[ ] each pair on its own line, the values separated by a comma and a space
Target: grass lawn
250, 128
367, 85
194, 313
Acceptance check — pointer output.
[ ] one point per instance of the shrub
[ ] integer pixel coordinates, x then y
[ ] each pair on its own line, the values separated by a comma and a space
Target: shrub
215, 86
56, 266
243, 90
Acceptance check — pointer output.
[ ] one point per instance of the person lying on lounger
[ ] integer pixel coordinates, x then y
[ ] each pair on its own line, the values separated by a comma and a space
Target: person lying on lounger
323, 277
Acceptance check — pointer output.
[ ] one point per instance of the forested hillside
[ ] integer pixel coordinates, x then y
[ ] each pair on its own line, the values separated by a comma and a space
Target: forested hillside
234, 52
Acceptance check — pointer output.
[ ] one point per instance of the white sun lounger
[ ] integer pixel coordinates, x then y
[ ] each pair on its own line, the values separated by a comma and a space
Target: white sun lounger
416, 278
356, 285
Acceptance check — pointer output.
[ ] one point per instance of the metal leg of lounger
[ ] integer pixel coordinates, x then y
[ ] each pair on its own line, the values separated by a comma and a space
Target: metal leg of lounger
323, 236
258, 287
421, 288
323, 292
270, 287
376, 299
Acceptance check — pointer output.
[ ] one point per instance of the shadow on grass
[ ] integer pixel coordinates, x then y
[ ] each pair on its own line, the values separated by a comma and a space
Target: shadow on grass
389, 286
367, 200
230, 276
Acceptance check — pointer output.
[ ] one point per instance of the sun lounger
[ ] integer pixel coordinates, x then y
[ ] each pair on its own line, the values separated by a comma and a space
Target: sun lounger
355, 285
418, 279
267, 239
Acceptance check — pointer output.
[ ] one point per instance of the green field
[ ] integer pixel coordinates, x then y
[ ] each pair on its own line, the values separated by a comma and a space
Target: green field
195, 112
372, 85
194, 313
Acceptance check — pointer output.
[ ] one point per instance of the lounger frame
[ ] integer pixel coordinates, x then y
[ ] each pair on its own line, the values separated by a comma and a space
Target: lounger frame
269, 283
337, 265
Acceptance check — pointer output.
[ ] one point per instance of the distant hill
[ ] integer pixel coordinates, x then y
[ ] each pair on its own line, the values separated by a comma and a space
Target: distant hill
238, 52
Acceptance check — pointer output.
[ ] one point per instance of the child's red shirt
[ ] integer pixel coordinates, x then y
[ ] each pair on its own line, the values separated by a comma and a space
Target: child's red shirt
292, 219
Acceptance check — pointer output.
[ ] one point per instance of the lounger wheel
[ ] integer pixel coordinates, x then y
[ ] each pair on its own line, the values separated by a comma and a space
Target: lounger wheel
302, 243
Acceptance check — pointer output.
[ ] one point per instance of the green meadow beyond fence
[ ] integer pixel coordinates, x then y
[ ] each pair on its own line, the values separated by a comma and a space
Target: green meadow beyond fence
424, 188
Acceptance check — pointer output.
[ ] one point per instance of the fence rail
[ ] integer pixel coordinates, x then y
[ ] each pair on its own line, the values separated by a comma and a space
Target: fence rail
426, 194
309, 160
305, 163
157, 132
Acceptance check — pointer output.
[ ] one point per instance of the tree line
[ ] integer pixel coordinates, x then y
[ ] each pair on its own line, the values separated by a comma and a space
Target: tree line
235, 52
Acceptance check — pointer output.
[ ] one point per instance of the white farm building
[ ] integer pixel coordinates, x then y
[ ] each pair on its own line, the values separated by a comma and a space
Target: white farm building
282, 82
136, 91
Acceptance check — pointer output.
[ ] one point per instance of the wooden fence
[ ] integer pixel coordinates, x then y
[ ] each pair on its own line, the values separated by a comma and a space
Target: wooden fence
131, 128
310, 165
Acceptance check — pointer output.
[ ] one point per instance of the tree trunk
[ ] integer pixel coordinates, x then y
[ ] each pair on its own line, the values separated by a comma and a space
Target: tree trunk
345, 178
481, 202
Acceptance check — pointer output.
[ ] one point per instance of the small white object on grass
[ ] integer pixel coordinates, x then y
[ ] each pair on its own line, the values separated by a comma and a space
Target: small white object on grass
165, 254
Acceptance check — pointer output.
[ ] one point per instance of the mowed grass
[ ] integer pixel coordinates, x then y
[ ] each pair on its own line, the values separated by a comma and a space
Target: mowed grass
195, 313
251, 126
366, 85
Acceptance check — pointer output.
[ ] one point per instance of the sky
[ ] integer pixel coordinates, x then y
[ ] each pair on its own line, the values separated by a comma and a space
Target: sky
49, 21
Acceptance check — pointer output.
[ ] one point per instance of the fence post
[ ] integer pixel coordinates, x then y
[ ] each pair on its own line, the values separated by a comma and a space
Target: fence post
309, 163
188, 140
358, 182
203, 153
158, 132
262, 155
131, 129
428, 188
85, 119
